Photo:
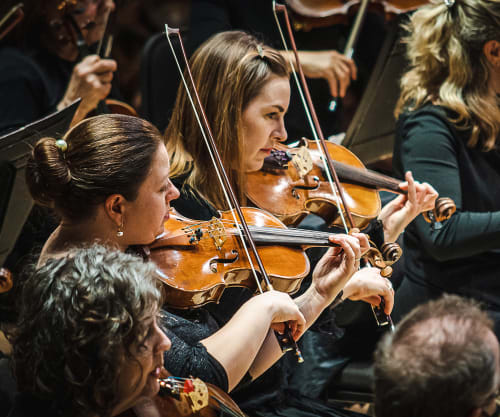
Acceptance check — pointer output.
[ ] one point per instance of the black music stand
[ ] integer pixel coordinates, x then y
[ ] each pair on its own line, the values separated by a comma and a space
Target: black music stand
371, 132
15, 148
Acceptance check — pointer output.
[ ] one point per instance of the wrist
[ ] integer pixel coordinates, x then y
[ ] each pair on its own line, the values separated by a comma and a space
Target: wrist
321, 298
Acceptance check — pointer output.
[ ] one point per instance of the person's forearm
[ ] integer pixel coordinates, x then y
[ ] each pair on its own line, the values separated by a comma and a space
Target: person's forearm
236, 344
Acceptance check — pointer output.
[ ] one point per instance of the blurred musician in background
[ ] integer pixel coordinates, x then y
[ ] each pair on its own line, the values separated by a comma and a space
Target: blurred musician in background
442, 361
42, 67
329, 72
447, 134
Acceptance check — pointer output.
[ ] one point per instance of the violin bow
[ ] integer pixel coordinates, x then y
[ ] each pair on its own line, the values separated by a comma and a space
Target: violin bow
286, 340
16, 14
319, 138
351, 41
312, 118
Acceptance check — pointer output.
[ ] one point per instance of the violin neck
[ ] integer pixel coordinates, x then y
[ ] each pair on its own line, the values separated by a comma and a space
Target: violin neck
289, 237
367, 178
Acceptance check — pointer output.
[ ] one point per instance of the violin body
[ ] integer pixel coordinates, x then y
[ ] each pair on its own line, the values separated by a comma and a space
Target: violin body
300, 188
310, 14
198, 260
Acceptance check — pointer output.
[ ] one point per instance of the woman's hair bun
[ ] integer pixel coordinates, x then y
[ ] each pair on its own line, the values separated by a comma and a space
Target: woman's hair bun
47, 172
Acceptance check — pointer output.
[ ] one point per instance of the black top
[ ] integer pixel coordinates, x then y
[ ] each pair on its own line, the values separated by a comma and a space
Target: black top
27, 405
463, 256
32, 83
187, 356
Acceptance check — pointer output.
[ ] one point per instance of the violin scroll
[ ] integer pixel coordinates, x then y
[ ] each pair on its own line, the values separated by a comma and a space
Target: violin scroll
391, 252
443, 210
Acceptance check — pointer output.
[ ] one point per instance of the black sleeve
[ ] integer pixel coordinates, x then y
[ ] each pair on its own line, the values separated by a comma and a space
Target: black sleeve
208, 17
428, 150
23, 91
188, 357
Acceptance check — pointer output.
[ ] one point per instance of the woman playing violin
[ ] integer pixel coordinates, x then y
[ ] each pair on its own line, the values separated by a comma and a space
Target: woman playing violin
108, 180
245, 90
88, 342
40, 66
447, 134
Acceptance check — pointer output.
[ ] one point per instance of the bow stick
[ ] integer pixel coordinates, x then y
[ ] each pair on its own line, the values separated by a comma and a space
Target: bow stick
286, 340
317, 132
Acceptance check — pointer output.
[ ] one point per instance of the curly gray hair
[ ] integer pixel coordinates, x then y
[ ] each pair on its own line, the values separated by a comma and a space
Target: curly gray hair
79, 317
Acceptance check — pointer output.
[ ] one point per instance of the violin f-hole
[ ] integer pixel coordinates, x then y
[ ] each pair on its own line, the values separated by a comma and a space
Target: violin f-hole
214, 262
305, 187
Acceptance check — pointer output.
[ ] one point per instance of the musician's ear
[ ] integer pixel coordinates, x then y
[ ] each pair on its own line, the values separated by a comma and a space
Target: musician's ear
115, 208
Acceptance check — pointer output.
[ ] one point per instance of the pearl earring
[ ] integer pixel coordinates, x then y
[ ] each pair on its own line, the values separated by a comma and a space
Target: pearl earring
119, 233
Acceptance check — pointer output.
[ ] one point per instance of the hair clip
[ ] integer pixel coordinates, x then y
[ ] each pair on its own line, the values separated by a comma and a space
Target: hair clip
62, 145
449, 3
260, 51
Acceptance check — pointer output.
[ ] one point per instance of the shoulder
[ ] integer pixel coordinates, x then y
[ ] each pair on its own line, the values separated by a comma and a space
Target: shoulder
191, 204
15, 64
429, 125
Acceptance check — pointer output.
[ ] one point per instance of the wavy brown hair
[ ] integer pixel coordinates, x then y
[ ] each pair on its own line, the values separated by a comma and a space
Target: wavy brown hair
228, 73
80, 316
448, 66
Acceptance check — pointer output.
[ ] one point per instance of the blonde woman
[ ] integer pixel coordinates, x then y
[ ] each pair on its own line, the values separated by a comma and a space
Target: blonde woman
447, 134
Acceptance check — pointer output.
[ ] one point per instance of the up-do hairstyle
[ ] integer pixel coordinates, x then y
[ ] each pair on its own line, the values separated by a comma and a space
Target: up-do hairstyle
437, 363
81, 317
108, 154
448, 66
229, 69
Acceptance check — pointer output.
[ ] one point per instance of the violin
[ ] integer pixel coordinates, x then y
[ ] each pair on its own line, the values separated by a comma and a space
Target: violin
213, 252
293, 183
181, 397
188, 396
310, 14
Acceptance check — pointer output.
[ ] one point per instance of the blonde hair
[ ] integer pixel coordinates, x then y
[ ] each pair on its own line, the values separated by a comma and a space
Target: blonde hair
448, 67
230, 69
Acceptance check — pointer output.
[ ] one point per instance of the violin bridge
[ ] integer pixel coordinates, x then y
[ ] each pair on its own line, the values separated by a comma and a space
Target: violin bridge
198, 394
217, 232
302, 161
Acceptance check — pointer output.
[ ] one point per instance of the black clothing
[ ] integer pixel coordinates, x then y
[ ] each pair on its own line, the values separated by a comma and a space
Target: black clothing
462, 256
32, 84
209, 17
270, 394
188, 356
7, 385
27, 405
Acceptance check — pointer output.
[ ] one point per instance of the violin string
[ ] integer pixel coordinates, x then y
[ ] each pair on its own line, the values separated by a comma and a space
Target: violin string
309, 118
289, 231
316, 237
219, 176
